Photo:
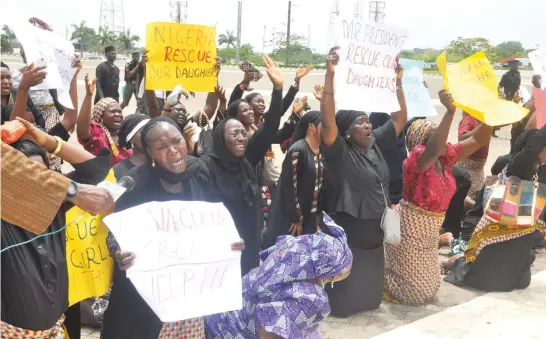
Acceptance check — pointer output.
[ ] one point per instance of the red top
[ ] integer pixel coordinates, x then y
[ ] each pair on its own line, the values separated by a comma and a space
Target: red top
429, 189
468, 124
99, 140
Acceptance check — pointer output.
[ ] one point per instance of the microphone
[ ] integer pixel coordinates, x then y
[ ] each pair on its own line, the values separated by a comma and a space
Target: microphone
125, 184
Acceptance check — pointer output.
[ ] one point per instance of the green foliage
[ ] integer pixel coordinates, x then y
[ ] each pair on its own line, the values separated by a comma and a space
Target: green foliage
298, 52
7, 39
84, 37
127, 40
245, 53
465, 47
510, 48
228, 39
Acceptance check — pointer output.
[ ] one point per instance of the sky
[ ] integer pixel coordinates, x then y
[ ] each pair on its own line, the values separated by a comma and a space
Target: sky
431, 23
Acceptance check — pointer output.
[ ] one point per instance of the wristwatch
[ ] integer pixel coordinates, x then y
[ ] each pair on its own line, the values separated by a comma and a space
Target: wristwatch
72, 191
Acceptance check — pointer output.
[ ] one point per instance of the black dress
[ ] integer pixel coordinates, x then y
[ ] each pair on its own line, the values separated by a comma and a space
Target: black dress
354, 195
506, 265
128, 316
248, 219
36, 293
298, 193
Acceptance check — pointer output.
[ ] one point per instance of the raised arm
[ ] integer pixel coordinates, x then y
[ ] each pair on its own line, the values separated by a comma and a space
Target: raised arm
481, 136
327, 102
400, 118
32, 76
262, 139
240, 88
436, 144
70, 116
84, 118
70, 152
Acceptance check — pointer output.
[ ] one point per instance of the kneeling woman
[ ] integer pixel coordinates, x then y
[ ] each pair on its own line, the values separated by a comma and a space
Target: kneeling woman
295, 202
412, 268
499, 257
35, 284
285, 296
169, 174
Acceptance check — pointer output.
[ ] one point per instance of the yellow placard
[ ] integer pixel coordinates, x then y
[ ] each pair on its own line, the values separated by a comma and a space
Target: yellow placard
473, 85
180, 54
90, 266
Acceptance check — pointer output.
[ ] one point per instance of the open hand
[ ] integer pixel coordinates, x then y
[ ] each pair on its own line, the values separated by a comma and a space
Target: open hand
220, 93
189, 131
125, 259
296, 229
447, 100
32, 76
299, 104
317, 91
303, 71
33, 133
332, 59
273, 72
89, 85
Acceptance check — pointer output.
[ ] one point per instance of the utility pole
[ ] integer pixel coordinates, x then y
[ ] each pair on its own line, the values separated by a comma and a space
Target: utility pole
288, 34
263, 41
239, 15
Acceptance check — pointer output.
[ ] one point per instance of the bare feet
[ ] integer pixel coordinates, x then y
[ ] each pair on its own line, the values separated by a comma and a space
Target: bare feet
445, 240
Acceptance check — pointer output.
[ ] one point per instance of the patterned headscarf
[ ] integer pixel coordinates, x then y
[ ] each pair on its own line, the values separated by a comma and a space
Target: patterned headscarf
306, 257
97, 116
417, 133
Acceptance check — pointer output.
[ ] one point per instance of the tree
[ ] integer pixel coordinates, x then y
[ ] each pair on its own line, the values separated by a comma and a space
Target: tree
509, 49
105, 37
298, 51
127, 40
5, 46
465, 47
228, 39
7, 39
84, 36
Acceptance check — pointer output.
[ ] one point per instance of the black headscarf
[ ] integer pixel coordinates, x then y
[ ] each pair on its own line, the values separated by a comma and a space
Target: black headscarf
312, 117
30, 148
251, 96
128, 126
231, 163
233, 108
345, 118
191, 164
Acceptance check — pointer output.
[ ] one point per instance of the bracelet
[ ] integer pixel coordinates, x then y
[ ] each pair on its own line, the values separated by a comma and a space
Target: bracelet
60, 144
327, 93
399, 87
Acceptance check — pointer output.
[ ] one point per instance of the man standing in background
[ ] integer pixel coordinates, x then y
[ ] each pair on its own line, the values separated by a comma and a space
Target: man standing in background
131, 70
511, 80
107, 75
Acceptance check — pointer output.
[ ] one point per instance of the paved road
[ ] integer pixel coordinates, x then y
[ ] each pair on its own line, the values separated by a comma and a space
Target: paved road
455, 312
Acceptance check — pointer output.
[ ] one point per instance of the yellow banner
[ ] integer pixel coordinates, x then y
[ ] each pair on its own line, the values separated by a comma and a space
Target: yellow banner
473, 84
90, 266
180, 54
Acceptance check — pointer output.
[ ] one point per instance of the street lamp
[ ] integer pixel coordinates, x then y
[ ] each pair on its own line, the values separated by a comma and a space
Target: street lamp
239, 15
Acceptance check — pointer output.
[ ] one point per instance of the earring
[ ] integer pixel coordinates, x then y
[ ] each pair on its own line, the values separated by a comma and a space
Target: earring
332, 284
153, 163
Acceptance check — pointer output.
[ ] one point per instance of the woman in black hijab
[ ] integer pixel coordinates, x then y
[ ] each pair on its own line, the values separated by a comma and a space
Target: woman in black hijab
356, 189
232, 165
296, 200
169, 174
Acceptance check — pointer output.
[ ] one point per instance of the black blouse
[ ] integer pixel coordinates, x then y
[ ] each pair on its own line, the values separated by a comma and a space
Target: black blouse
354, 178
35, 284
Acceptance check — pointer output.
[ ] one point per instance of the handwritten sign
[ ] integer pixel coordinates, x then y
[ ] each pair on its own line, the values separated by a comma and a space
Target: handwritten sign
417, 96
90, 266
180, 54
540, 105
538, 60
365, 77
184, 265
46, 48
473, 84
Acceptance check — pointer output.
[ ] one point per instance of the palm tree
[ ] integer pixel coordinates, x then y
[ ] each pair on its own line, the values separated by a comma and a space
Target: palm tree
127, 40
8, 37
228, 39
106, 37
83, 35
